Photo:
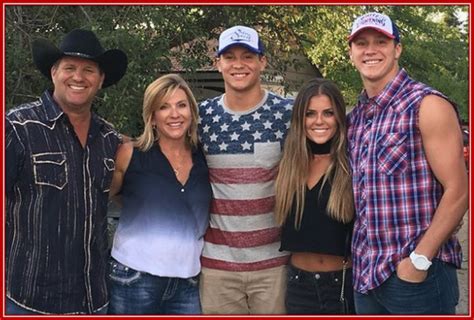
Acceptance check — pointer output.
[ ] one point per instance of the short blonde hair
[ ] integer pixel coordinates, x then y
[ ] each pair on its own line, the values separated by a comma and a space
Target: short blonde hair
157, 92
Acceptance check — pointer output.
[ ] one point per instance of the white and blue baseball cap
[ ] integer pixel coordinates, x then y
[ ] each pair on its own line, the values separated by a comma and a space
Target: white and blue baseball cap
377, 21
241, 36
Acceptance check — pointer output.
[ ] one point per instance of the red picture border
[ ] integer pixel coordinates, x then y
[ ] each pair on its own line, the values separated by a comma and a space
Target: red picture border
229, 2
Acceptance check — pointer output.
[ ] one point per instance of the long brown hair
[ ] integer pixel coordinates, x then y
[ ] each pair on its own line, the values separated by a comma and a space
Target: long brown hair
296, 158
157, 92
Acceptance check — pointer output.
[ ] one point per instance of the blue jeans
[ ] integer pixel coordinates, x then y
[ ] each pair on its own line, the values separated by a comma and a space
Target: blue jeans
135, 292
318, 292
13, 308
438, 294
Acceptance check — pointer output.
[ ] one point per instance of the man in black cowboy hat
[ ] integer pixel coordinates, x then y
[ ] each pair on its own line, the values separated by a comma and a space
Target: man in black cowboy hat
59, 160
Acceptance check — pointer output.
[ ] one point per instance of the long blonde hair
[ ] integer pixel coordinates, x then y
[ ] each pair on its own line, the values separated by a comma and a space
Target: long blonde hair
294, 165
157, 92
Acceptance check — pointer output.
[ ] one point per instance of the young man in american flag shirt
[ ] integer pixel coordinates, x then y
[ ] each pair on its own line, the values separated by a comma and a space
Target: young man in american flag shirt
242, 133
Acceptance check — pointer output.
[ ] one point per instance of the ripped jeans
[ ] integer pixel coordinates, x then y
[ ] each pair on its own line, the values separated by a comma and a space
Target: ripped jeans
135, 292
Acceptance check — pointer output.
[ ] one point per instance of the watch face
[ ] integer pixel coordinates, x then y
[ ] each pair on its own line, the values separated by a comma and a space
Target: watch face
421, 262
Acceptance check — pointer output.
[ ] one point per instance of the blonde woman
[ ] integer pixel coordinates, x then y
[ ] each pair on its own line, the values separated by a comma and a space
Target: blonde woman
314, 203
163, 180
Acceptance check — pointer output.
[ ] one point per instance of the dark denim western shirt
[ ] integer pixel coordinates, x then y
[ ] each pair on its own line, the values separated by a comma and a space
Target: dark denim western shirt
56, 224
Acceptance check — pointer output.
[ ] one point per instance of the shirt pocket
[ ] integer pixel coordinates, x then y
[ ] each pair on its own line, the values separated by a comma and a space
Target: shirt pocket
267, 154
50, 169
392, 155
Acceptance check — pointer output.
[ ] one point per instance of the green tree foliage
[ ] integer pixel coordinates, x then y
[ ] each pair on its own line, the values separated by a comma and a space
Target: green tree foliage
435, 47
158, 39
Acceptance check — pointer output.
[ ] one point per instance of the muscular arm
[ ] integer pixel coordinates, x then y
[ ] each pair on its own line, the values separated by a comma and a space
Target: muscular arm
442, 141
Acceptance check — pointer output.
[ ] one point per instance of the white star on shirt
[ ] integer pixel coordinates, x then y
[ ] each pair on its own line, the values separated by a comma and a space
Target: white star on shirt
235, 117
257, 136
204, 103
209, 110
246, 126
234, 137
267, 124
287, 125
256, 116
278, 115
205, 147
206, 128
289, 106
223, 146
266, 107
276, 100
224, 127
216, 118
246, 146
279, 134
213, 137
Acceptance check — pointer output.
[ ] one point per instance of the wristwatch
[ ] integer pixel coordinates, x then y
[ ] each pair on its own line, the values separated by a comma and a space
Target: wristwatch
420, 261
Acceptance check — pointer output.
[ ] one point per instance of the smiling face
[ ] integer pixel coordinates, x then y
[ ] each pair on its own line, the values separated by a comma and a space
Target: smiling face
76, 82
375, 56
173, 117
240, 68
320, 120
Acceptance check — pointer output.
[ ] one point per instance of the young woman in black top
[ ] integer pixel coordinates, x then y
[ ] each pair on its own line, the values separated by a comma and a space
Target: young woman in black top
314, 203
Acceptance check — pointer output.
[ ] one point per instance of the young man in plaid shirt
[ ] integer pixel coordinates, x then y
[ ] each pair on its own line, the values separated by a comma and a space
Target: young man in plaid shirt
410, 182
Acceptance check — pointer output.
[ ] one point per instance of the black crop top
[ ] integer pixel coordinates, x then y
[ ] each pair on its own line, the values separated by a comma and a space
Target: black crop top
318, 232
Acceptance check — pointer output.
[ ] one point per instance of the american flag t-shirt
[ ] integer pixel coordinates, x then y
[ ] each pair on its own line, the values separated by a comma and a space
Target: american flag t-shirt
243, 150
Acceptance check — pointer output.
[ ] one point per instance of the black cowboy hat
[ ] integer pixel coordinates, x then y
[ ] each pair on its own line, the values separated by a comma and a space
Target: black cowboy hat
82, 44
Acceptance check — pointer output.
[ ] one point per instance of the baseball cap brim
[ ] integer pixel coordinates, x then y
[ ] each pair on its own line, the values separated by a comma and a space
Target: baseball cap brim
352, 36
246, 46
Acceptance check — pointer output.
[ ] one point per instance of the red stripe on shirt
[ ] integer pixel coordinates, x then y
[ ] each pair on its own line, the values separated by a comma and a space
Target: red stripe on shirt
250, 266
242, 207
242, 176
243, 239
